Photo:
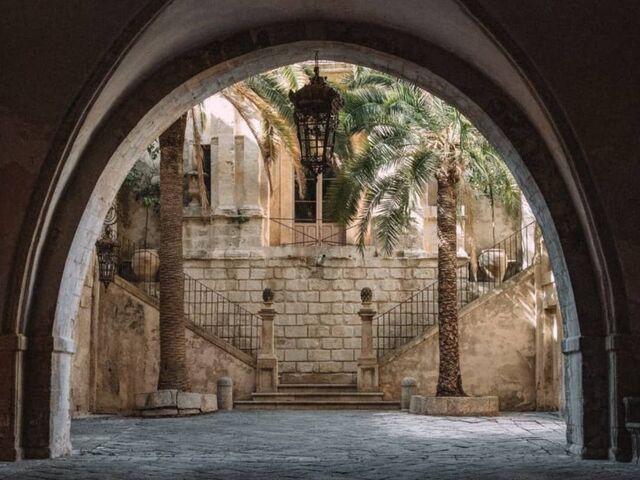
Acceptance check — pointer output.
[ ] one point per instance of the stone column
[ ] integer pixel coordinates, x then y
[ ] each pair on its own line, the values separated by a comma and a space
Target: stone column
223, 162
367, 363
12, 349
267, 365
249, 172
46, 411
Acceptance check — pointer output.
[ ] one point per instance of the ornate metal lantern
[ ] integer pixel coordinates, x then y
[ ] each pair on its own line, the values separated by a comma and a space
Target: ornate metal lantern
316, 107
108, 250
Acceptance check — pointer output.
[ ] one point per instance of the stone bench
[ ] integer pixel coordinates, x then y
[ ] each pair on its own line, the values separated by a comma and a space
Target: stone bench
632, 422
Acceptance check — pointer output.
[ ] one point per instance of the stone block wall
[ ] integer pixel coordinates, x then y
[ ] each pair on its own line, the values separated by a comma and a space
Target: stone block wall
317, 296
497, 351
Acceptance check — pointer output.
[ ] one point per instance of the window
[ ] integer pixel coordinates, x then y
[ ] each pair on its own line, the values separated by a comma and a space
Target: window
305, 208
313, 223
206, 160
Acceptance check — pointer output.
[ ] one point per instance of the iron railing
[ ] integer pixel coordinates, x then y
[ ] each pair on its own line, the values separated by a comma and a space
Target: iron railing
221, 317
307, 234
203, 306
499, 263
408, 319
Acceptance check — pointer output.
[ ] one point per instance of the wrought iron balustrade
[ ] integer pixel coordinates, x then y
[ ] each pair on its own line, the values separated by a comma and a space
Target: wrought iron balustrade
221, 317
410, 318
307, 234
203, 306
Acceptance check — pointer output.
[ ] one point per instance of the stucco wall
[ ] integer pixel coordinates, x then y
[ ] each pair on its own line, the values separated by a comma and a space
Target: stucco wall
497, 350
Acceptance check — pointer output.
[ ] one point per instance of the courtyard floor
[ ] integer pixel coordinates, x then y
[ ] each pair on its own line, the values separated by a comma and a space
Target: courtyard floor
319, 445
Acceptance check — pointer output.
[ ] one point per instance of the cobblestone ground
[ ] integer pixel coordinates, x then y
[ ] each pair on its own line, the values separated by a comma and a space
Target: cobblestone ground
319, 445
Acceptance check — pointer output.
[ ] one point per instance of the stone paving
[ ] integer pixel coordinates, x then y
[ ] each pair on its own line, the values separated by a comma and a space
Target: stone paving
319, 445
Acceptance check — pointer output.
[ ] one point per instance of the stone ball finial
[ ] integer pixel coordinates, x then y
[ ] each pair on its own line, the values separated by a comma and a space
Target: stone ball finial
408, 382
366, 295
267, 295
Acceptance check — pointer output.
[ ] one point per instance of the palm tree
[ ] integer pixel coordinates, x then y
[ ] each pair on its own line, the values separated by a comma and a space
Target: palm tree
412, 137
172, 326
393, 138
265, 97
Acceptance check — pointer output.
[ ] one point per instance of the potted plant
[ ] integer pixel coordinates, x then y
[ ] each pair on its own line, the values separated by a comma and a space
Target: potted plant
144, 182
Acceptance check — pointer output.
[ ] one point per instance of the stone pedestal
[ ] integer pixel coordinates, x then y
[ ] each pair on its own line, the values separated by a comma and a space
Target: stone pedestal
12, 349
455, 406
174, 403
368, 379
267, 364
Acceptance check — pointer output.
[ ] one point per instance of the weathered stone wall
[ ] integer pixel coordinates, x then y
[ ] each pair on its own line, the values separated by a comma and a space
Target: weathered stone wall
124, 349
207, 363
317, 295
497, 348
127, 349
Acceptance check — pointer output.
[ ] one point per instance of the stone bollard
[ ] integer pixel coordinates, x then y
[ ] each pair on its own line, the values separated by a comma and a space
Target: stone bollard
416, 403
407, 389
225, 393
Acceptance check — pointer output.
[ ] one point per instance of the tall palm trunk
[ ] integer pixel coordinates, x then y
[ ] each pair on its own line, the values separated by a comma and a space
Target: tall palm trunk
172, 329
449, 378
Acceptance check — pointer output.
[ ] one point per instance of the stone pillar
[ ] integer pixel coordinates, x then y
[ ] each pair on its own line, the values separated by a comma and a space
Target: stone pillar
431, 230
249, 172
587, 405
12, 347
267, 365
622, 352
223, 161
367, 363
46, 408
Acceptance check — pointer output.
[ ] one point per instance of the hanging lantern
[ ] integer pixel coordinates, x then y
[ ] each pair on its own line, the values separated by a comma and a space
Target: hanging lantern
108, 250
316, 108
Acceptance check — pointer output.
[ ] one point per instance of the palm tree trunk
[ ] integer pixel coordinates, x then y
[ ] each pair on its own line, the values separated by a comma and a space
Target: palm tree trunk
172, 329
449, 378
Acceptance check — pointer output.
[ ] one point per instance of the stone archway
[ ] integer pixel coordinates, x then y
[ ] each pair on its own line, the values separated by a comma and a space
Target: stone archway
99, 159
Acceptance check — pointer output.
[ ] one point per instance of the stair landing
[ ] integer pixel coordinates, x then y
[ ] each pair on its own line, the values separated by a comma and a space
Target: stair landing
297, 396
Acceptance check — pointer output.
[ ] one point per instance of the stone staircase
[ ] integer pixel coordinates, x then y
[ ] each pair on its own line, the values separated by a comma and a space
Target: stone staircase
299, 396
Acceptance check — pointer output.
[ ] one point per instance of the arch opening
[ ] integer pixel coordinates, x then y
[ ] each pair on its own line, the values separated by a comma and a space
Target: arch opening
490, 111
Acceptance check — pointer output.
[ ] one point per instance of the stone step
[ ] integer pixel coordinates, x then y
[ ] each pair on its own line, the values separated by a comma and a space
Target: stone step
315, 405
319, 396
317, 388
